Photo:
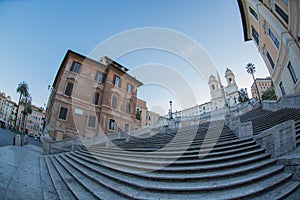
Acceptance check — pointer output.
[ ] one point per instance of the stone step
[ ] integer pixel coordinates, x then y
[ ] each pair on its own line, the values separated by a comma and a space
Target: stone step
59, 184
188, 186
159, 143
163, 161
203, 146
48, 188
194, 154
98, 190
280, 191
73, 185
126, 188
141, 166
181, 176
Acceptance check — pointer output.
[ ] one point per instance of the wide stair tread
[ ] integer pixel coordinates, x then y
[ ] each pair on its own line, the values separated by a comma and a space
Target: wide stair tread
181, 176
98, 190
49, 192
58, 182
280, 191
76, 187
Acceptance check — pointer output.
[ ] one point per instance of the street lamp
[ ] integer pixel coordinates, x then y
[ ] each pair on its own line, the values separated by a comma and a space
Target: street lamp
171, 116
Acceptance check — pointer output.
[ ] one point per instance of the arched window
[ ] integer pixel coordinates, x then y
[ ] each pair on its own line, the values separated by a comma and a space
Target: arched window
213, 86
230, 80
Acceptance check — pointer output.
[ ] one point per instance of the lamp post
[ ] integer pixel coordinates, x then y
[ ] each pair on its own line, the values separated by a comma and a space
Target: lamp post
171, 116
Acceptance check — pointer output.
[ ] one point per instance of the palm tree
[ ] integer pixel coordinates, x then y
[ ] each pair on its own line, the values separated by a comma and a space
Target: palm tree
23, 91
27, 110
251, 70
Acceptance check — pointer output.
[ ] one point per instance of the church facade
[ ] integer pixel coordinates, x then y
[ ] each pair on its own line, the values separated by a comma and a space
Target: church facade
220, 96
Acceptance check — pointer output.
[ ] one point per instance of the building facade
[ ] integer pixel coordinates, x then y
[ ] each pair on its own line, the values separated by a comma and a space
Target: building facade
8, 109
274, 26
220, 96
223, 96
34, 121
151, 118
263, 84
90, 97
9, 112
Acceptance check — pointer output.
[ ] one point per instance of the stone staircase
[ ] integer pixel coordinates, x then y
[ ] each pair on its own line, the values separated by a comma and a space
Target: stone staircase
222, 167
263, 119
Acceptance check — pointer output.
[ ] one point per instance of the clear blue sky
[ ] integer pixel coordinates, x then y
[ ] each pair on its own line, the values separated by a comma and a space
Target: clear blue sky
35, 35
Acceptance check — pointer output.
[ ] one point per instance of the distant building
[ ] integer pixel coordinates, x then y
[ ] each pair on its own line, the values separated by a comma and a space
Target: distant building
33, 122
273, 25
220, 96
196, 110
263, 84
151, 118
8, 109
141, 108
147, 117
90, 97
9, 112
2, 103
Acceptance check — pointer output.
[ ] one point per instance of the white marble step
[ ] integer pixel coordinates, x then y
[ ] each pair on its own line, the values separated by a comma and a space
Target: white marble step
49, 192
164, 155
59, 184
135, 193
141, 166
73, 185
149, 161
183, 176
234, 142
99, 191
203, 183
193, 150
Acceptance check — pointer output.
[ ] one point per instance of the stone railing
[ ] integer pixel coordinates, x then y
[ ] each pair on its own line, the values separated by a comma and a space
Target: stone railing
290, 101
53, 147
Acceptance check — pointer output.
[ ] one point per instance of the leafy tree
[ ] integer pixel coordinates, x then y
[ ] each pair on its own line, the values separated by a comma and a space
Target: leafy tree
138, 114
269, 93
23, 91
251, 70
243, 95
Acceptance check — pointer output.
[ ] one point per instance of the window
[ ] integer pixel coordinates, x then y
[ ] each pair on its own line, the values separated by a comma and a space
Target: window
292, 72
96, 98
92, 121
129, 88
213, 87
274, 38
75, 67
63, 113
111, 125
99, 76
286, 2
118, 81
69, 89
126, 127
282, 14
114, 102
270, 60
255, 35
253, 13
282, 89
128, 108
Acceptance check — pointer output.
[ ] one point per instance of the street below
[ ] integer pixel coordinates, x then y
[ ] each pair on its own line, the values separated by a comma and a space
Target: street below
7, 137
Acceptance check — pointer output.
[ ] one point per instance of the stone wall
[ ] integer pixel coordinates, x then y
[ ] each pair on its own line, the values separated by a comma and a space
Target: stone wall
290, 101
279, 140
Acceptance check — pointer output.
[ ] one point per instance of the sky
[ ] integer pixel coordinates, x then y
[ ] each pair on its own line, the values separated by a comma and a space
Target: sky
36, 34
